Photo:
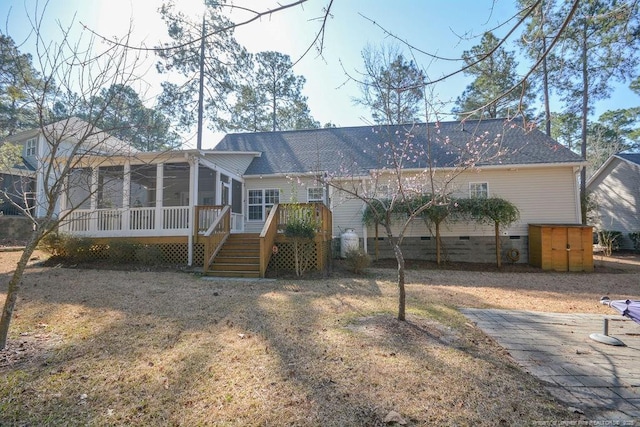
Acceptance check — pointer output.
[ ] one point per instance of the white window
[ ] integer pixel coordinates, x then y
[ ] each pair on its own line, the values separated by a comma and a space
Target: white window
315, 194
259, 203
478, 190
30, 147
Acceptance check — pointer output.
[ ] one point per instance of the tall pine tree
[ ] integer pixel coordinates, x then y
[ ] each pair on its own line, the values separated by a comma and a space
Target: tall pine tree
493, 92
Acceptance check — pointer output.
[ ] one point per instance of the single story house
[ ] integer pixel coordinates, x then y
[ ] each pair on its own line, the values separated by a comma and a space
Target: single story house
488, 158
201, 204
615, 192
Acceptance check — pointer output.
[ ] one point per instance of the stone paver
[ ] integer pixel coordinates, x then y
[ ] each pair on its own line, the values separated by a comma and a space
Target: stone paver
601, 380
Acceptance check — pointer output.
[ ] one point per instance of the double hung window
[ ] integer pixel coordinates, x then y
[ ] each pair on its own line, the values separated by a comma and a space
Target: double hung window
260, 202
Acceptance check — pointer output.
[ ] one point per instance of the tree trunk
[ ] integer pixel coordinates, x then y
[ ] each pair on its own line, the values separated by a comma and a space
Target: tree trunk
14, 287
585, 112
438, 257
545, 88
397, 250
497, 233
376, 244
273, 106
402, 298
296, 256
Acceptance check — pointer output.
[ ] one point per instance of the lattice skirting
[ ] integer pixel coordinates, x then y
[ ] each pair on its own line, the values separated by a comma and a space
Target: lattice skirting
131, 250
312, 256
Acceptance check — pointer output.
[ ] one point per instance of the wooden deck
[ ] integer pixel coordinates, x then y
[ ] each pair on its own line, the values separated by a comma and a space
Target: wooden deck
249, 255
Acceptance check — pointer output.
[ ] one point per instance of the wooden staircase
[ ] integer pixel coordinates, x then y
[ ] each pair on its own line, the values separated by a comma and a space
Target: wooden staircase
238, 257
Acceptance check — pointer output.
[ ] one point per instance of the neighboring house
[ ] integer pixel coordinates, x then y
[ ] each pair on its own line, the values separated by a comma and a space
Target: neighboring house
17, 181
615, 191
193, 201
64, 135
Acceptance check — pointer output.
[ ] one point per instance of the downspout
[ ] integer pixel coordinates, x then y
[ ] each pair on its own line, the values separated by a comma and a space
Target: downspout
576, 191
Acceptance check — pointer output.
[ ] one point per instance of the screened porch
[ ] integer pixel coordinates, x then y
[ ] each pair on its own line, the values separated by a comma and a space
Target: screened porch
146, 200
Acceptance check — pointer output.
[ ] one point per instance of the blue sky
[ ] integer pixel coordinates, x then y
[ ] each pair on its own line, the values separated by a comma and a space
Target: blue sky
446, 28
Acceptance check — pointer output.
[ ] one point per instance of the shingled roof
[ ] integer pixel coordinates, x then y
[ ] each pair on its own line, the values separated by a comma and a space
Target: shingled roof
483, 142
630, 157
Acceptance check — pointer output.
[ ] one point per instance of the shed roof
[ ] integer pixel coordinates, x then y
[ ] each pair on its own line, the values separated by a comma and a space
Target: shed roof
481, 142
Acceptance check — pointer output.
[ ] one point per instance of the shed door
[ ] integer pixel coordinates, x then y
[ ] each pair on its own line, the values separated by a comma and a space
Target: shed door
567, 249
559, 252
575, 254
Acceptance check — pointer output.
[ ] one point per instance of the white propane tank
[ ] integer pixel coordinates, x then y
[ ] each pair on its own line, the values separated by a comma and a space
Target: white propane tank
348, 241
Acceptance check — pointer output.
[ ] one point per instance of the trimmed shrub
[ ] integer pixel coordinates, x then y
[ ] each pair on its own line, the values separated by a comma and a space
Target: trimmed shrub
357, 260
122, 251
635, 238
79, 249
72, 249
150, 255
54, 244
607, 239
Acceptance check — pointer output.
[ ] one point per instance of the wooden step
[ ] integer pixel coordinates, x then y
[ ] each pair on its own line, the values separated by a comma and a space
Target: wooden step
238, 257
239, 274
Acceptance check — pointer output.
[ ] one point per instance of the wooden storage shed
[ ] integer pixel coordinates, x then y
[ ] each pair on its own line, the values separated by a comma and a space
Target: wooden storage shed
561, 247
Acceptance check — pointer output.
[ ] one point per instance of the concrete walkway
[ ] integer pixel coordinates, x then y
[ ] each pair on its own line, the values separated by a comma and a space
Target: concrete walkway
596, 379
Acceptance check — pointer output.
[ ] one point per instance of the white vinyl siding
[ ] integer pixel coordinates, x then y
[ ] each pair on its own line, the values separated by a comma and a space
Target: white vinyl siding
542, 195
234, 163
616, 193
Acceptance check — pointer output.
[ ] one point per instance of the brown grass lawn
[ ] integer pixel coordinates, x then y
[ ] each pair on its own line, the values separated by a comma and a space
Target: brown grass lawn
96, 347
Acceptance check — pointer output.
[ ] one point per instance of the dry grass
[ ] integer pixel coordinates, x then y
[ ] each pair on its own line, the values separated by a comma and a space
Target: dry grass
95, 347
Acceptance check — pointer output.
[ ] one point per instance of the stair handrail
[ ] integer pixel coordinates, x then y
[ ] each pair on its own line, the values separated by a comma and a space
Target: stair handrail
204, 213
267, 238
216, 235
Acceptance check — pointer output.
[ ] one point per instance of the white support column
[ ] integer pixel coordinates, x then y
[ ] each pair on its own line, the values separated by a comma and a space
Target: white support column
93, 221
93, 197
159, 195
193, 201
65, 193
126, 192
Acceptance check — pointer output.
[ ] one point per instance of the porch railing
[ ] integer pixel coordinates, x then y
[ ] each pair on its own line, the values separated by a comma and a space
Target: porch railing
127, 222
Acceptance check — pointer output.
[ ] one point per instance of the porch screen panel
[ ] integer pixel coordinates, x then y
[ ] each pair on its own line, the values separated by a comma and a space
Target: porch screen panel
142, 192
79, 189
110, 187
236, 196
176, 184
206, 186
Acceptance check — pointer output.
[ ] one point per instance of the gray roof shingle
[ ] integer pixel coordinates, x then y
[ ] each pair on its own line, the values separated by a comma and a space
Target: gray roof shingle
484, 143
630, 157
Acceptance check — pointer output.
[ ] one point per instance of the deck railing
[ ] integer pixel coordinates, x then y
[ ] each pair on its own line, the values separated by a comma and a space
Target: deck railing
204, 217
268, 238
215, 235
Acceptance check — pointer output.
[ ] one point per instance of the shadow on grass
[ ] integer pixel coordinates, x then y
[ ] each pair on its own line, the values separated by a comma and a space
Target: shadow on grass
171, 348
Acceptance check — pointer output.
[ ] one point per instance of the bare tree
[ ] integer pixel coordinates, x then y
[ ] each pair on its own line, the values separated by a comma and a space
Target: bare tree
67, 67
413, 160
